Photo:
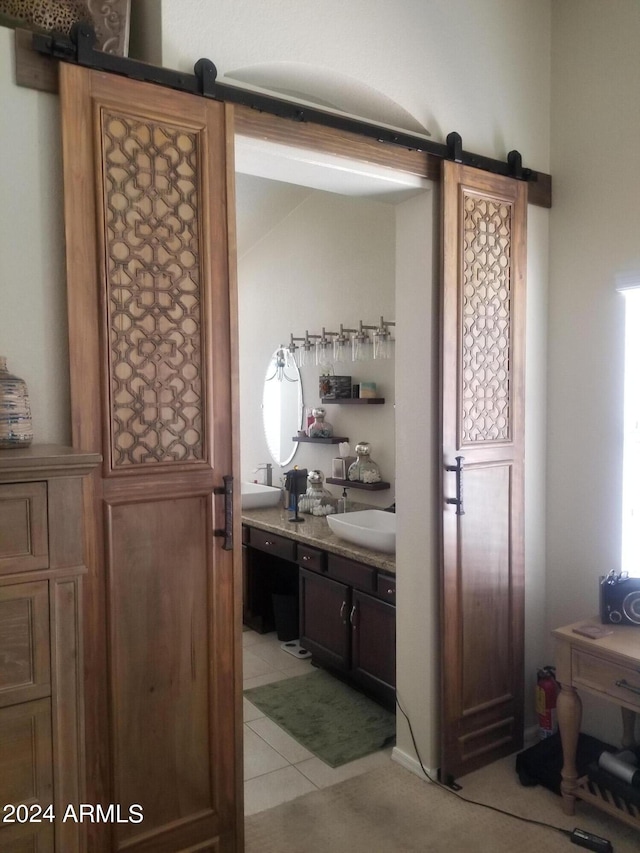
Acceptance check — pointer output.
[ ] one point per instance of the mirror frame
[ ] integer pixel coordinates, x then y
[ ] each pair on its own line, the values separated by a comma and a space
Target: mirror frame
277, 378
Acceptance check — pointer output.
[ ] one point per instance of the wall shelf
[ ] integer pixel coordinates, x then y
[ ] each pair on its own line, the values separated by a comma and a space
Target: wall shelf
354, 484
353, 401
335, 439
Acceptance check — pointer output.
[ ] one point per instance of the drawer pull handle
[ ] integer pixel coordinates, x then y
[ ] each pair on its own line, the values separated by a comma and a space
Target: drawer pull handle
391, 591
268, 542
624, 683
306, 559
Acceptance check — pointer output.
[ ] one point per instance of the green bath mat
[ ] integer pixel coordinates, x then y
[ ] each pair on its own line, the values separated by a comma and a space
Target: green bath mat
335, 722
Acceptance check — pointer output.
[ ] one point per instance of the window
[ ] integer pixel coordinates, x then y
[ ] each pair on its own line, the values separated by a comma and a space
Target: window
631, 463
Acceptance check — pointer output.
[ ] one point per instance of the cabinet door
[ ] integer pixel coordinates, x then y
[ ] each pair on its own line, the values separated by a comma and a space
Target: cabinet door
373, 644
324, 619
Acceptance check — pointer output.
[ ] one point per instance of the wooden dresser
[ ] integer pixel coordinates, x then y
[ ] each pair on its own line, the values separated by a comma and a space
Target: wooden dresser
41, 716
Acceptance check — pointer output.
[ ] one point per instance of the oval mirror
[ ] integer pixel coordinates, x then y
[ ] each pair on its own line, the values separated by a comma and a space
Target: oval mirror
282, 406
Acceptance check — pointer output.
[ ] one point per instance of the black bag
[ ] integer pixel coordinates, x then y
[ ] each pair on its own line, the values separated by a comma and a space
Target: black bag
541, 764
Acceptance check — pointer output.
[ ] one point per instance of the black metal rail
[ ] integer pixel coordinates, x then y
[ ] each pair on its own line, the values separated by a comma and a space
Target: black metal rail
80, 49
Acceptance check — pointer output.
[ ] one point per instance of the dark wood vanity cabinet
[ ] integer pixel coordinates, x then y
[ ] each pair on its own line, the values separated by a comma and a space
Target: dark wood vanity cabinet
346, 608
348, 628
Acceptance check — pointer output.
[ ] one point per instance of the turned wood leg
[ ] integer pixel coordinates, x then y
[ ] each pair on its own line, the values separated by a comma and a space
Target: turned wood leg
569, 712
628, 728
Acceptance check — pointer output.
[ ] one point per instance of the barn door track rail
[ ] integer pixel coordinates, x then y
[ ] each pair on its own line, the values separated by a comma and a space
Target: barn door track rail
80, 49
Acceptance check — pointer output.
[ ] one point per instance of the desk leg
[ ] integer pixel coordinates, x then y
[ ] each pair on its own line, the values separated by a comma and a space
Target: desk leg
569, 712
628, 728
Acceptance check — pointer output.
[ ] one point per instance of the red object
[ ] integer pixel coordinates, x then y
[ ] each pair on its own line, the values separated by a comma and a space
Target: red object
546, 698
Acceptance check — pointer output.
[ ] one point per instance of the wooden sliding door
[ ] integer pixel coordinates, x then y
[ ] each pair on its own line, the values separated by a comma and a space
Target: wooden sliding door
153, 377
483, 316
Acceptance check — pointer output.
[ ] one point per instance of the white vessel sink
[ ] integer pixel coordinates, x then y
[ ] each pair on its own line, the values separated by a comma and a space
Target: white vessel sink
370, 528
255, 496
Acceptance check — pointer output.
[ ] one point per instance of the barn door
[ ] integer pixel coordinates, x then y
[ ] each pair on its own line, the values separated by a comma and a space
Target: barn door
151, 329
484, 248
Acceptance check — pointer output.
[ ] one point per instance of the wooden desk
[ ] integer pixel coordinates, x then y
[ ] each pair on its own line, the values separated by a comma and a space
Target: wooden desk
608, 668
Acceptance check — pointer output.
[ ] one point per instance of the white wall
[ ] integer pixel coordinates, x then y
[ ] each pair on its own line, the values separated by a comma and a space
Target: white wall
594, 236
480, 67
328, 259
33, 324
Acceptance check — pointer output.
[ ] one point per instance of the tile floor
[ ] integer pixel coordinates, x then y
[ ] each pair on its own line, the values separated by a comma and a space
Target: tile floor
276, 767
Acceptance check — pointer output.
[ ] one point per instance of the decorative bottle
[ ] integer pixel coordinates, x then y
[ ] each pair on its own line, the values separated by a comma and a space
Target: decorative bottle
16, 429
364, 469
317, 500
320, 428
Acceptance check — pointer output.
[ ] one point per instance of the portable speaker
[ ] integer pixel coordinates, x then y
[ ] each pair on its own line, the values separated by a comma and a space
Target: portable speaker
620, 599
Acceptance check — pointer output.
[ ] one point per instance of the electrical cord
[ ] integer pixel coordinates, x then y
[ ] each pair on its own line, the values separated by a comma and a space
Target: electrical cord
440, 784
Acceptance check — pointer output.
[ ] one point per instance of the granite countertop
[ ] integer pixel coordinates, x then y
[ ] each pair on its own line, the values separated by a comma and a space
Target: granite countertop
314, 530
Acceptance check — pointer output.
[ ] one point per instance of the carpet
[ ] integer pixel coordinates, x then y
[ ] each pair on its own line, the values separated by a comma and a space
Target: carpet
390, 810
329, 718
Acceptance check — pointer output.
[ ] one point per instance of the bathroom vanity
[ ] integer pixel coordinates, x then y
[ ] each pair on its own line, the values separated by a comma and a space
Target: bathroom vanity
346, 595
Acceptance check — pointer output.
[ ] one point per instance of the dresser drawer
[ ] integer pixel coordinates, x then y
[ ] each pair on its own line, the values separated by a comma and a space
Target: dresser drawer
23, 527
604, 676
386, 587
355, 574
26, 767
273, 544
24, 642
312, 558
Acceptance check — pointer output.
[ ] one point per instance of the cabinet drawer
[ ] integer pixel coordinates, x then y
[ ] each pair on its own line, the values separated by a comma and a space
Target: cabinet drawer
273, 544
312, 558
24, 642
355, 574
620, 682
23, 527
27, 837
386, 587
25, 754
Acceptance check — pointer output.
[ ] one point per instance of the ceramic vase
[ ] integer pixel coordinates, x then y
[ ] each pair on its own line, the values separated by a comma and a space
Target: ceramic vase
15, 410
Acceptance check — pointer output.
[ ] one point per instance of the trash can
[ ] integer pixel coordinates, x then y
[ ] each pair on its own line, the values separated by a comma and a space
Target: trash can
285, 616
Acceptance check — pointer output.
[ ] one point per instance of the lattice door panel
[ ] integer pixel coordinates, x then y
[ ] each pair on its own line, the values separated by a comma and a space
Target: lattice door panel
486, 293
154, 291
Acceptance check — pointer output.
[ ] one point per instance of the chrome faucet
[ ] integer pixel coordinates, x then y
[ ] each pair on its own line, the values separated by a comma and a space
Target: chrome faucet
267, 467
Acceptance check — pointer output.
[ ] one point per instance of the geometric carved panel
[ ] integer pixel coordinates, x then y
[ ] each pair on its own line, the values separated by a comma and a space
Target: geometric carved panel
486, 320
154, 300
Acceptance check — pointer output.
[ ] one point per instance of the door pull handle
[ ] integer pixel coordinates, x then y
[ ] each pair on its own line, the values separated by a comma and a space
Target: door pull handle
227, 531
457, 501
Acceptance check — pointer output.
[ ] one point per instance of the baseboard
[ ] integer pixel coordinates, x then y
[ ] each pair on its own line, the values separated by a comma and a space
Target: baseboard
531, 735
412, 764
